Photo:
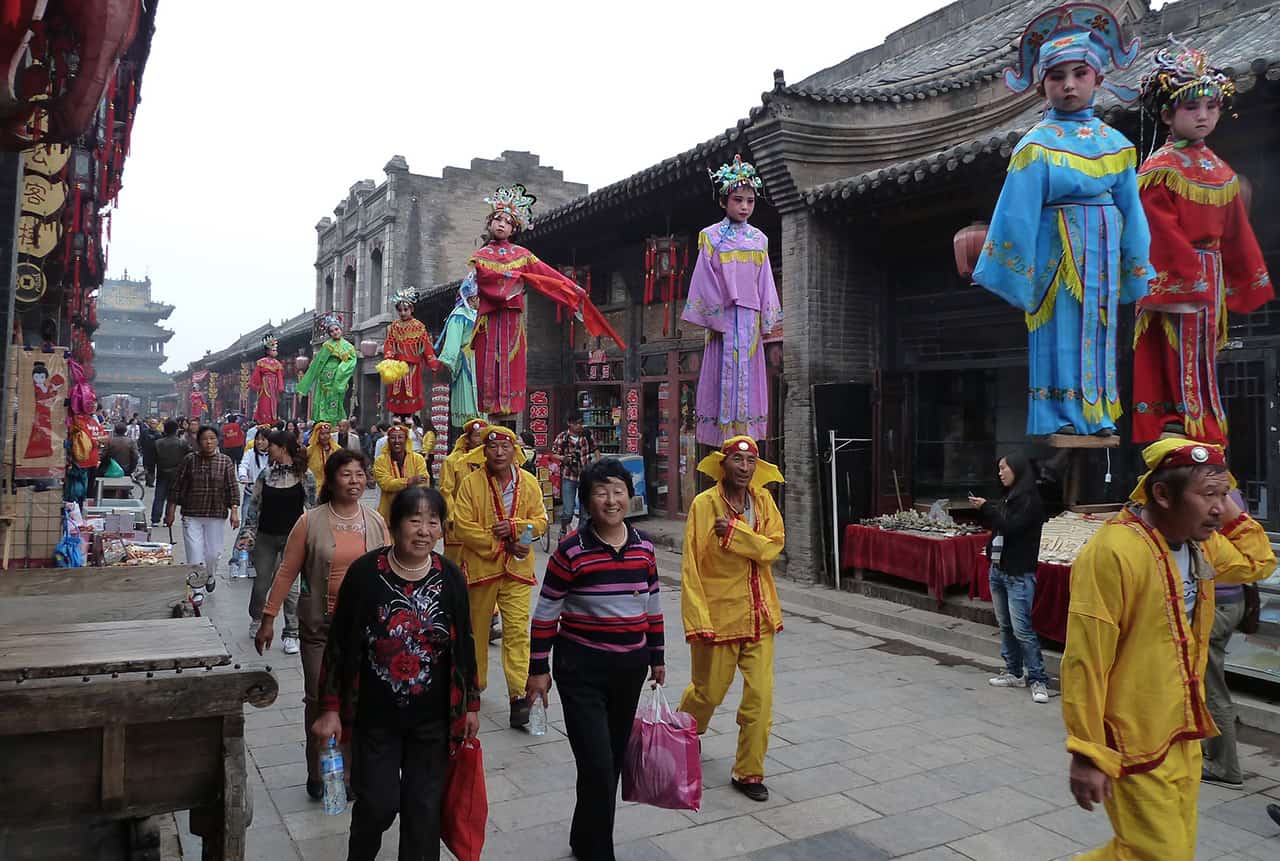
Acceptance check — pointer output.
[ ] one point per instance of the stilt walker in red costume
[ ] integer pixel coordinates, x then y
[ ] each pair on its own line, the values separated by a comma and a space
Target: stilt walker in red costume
268, 381
1206, 257
503, 270
406, 350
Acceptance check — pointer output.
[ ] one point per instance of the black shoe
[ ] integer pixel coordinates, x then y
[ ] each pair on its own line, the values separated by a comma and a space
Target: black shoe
1207, 776
519, 713
754, 791
210, 584
315, 789
1273, 810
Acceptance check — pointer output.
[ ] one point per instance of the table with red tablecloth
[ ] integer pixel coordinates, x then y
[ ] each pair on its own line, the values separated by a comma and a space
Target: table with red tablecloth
938, 561
1048, 608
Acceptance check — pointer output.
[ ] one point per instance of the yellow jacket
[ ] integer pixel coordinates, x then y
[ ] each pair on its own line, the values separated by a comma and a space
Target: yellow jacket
316, 458
452, 471
1132, 672
478, 501
727, 590
391, 480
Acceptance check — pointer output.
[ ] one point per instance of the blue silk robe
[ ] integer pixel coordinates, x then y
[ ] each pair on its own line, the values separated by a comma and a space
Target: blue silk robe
1068, 244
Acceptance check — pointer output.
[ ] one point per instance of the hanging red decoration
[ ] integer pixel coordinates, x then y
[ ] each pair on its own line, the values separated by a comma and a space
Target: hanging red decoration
968, 244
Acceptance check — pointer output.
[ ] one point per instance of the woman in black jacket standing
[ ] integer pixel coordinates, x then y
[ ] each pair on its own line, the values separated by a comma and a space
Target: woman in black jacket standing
1015, 523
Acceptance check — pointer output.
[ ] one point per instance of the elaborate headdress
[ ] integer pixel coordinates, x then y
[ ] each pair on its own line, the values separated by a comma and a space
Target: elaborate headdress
1181, 73
735, 175
515, 201
404, 294
713, 464
270, 341
328, 321
1172, 452
1075, 32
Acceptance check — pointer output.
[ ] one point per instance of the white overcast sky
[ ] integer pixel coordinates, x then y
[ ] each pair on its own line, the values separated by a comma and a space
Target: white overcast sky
255, 120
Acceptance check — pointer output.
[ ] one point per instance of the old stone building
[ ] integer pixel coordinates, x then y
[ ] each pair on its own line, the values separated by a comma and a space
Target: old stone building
129, 343
870, 168
417, 230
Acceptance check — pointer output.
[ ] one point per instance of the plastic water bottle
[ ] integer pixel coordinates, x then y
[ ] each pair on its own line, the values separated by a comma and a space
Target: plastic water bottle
526, 537
242, 563
335, 793
538, 718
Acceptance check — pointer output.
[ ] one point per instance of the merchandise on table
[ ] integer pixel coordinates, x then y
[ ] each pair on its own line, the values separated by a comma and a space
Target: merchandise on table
936, 522
1063, 537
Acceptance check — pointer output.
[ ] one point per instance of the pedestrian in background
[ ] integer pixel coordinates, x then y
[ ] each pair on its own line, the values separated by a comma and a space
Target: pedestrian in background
601, 614
321, 546
207, 490
147, 446
171, 451
574, 449
397, 468
1015, 522
233, 438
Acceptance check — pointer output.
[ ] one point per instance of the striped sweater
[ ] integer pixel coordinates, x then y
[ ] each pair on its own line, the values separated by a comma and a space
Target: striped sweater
599, 598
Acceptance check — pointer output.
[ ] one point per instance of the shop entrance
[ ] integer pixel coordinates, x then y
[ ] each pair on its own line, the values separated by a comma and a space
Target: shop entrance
1249, 386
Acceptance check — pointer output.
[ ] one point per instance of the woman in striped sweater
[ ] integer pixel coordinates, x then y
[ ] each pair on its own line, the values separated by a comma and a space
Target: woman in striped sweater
600, 610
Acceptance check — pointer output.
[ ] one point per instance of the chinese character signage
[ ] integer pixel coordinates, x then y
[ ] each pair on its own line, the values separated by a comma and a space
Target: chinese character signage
540, 417
631, 427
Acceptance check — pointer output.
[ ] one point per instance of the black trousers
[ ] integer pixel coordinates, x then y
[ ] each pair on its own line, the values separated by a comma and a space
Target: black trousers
599, 693
398, 771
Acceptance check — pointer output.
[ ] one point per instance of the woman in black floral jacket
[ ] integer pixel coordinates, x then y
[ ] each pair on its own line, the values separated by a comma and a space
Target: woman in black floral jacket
399, 674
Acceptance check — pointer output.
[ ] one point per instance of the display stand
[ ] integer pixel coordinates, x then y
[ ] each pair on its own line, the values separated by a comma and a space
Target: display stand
1073, 474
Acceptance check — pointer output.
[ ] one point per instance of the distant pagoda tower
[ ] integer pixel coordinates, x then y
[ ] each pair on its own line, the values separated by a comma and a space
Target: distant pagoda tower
129, 343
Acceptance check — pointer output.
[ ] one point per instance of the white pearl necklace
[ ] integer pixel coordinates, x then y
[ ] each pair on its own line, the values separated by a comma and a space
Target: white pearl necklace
396, 561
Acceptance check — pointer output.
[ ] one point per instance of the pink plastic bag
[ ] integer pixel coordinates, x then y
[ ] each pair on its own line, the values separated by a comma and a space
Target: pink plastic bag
663, 765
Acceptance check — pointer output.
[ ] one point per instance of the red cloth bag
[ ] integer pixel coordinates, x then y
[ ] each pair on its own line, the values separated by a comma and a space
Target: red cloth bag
466, 803
663, 763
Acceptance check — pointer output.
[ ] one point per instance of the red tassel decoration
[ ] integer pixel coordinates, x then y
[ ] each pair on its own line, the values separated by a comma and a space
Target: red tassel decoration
684, 269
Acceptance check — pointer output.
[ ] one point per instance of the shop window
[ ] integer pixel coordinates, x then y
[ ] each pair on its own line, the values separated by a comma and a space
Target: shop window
653, 365
375, 282
965, 421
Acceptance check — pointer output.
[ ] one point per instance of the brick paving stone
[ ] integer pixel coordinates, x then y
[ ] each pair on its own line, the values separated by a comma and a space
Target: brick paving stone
640, 850
819, 780
1082, 826
995, 807
730, 838
814, 816
1021, 841
830, 846
937, 853
813, 753
907, 793
905, 833
1249, 813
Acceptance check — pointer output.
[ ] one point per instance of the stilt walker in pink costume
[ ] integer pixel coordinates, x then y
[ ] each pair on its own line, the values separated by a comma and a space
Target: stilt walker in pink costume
733, 297
267, 380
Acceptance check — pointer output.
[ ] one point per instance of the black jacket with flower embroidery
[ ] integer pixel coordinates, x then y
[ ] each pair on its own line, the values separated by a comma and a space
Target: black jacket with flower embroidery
363, 611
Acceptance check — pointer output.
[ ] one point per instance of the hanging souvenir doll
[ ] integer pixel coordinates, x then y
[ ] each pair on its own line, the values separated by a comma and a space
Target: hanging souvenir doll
733, 297
1205, 256
267, 380
48, 392
406, 350
454, 349
1068, 239
502, 271
329, 374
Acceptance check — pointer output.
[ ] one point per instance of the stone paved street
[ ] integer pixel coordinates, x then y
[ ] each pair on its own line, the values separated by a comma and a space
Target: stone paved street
882, 748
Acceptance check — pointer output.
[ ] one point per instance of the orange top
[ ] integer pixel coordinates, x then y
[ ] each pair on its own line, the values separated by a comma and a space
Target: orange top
349, 546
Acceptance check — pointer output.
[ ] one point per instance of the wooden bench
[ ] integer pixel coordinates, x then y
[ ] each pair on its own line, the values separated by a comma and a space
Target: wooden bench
101, 594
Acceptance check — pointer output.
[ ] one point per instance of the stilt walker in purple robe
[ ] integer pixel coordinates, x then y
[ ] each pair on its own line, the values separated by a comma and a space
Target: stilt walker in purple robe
733, 297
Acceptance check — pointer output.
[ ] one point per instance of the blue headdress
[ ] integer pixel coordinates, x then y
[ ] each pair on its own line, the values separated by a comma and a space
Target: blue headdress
1076, 32
735, 175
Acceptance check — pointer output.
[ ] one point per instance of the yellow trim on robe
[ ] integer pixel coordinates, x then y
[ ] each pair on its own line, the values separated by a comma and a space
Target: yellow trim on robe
495, 266
1103, 165
727, 589
740, 256
1195, 192
483, 556
1128, 689
389, 483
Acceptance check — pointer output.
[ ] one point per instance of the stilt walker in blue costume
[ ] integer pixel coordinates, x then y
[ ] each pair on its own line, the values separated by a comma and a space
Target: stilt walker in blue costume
1068, 240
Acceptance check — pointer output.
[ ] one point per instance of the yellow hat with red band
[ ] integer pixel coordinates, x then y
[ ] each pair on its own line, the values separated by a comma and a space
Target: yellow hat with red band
1174, 452
493, 433
474, 425
713, 464
319, 426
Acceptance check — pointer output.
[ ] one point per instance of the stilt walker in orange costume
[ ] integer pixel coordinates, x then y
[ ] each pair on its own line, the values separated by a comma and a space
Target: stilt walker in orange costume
1205, 254
502, 271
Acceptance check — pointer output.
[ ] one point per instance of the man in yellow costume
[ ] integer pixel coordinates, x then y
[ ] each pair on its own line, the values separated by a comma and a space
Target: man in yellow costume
452, 471
728, 600
1142, 609
498, 514
319, 449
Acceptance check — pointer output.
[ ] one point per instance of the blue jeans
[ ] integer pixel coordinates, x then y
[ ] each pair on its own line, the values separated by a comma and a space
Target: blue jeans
568, 499
1012, 596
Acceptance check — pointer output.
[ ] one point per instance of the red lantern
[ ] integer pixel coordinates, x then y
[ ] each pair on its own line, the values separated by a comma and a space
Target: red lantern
968, 244
300, 364
369, 349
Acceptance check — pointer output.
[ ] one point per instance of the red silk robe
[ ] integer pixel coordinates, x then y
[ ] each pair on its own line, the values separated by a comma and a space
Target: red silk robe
1207, 262
268, 381
502, 271
408, 341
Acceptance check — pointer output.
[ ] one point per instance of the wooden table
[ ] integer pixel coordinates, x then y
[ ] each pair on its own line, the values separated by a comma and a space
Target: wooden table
92, 594
77, 752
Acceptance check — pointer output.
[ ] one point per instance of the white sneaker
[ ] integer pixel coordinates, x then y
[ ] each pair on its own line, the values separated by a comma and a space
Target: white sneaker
254, 625
1039, 692
1007, 679
291, 645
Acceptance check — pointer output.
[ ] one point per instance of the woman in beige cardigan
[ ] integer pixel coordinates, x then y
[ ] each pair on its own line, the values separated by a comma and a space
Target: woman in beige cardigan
321, 546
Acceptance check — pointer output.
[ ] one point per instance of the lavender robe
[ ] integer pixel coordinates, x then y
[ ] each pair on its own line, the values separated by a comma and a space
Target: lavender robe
732, 296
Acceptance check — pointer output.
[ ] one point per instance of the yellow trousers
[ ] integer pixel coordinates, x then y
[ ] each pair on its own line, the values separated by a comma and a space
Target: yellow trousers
512, 601
710, 677
1154, 813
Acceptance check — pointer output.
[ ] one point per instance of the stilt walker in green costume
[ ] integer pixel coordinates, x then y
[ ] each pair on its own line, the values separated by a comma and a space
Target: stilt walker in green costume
329, 374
